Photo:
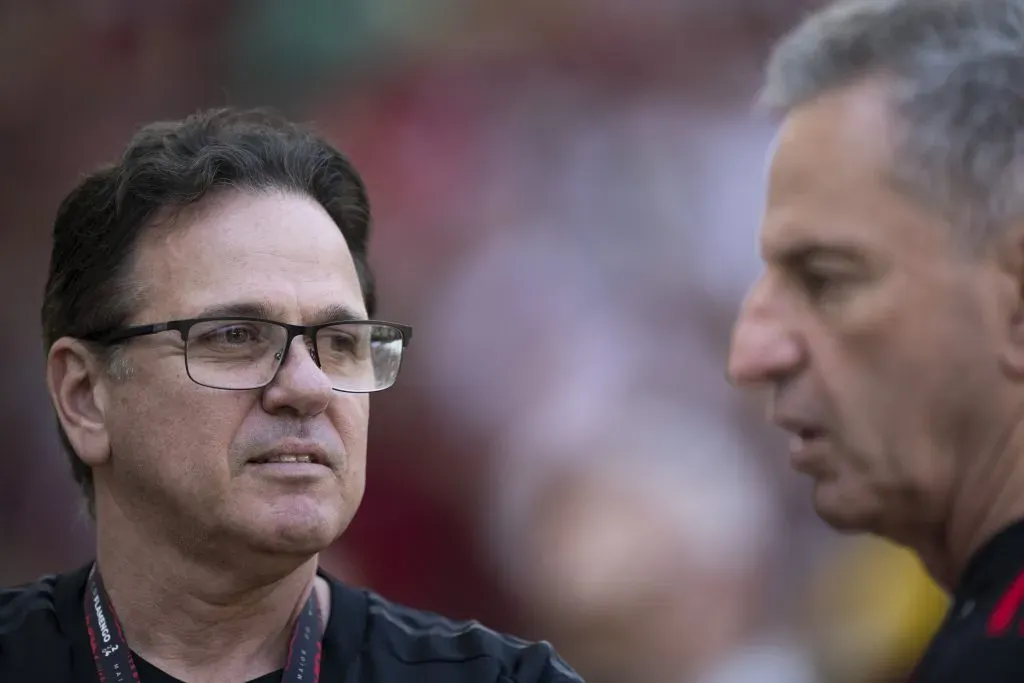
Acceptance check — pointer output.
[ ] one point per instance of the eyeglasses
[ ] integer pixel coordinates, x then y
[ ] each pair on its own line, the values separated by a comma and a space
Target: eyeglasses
239, 353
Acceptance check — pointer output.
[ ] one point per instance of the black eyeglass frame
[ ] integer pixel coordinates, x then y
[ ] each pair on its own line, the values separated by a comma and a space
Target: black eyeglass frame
309, 332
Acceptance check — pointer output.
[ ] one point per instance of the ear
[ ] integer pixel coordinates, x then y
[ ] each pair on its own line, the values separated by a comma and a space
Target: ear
1005, 258
75, 379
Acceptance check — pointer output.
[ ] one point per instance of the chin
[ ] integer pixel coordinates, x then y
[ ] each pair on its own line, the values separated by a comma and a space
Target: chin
295, 528
843, 511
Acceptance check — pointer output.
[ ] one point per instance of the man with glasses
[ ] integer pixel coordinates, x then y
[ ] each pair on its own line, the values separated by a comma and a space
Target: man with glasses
211, 348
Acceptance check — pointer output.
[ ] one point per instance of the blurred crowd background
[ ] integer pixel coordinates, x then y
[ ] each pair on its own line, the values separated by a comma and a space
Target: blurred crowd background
567, 195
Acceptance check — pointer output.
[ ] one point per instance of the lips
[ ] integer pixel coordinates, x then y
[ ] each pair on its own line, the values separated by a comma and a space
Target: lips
807, 440
800, 428
285, 458
292, 453
808, 435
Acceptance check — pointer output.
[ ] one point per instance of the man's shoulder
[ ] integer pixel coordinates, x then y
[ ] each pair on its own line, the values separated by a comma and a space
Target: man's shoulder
28, 606
32, 644
981, 639
419, 636
973, 657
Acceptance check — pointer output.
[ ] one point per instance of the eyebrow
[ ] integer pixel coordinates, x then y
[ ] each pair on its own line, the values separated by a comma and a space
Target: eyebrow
265, 310
805, 250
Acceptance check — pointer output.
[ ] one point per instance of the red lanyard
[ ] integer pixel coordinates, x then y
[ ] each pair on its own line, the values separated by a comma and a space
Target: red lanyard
114, 661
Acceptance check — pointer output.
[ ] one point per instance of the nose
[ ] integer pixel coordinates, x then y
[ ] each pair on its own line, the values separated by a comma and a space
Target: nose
763, 350
300, 386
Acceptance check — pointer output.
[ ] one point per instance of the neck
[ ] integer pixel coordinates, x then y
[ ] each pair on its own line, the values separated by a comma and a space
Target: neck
200, 621
989, 496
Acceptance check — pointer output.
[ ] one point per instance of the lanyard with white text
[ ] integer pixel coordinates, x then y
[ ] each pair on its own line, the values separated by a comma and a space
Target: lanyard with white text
114, 661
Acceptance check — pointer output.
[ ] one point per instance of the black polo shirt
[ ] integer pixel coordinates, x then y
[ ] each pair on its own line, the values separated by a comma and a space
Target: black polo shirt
368, 640
981, 639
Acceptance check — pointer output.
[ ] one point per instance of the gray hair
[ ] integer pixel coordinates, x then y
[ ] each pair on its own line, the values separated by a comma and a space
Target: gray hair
956, 71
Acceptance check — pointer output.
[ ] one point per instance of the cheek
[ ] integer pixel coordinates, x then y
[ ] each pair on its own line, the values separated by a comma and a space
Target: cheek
939, 370
873, 410
350, 416
182, 433
899, 403
886, 421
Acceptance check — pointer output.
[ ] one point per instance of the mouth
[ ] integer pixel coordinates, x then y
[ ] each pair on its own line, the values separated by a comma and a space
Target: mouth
809, 451
287, 458
291, 467
801, 430
805, 437
293, 456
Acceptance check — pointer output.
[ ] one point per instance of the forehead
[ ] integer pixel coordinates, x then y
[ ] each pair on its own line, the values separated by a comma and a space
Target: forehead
830, 180
274, 247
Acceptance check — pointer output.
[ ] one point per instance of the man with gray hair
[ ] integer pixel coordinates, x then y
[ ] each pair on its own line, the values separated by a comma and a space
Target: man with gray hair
888, 323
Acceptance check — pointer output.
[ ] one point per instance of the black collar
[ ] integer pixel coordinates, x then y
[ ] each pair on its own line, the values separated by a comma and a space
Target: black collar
343, 638
997, 562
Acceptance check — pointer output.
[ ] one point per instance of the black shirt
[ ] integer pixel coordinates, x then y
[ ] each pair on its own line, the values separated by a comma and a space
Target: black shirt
150, 674
981, 639
368, 639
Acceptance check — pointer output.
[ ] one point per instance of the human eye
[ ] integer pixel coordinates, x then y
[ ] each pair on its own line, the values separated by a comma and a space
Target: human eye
819, 283
341, 341
823, 278
228, 335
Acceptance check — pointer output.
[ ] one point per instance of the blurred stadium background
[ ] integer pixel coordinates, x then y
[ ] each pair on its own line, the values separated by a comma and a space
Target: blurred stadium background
567, 196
